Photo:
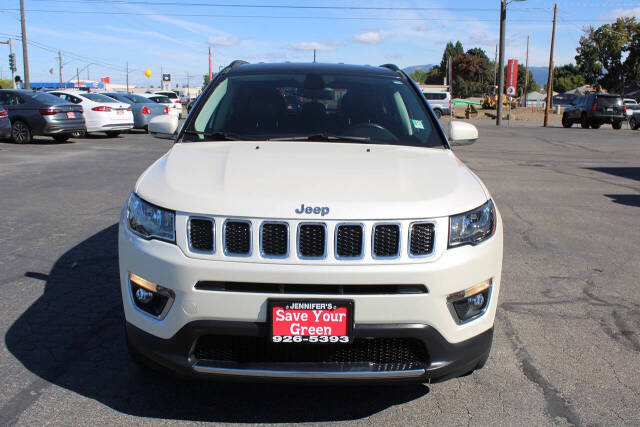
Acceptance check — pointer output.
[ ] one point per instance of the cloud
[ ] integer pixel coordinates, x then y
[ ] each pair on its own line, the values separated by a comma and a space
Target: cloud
620, 13
154, 34
224, 40
369, 37
304, 46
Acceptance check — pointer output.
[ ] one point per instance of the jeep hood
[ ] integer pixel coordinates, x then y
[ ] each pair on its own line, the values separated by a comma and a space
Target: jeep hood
273, 179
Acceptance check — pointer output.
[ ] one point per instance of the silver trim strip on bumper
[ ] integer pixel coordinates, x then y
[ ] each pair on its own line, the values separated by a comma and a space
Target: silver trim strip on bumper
267, 373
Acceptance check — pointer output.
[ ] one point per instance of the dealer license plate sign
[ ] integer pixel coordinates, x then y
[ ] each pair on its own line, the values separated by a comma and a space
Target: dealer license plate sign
311, 321
71, 115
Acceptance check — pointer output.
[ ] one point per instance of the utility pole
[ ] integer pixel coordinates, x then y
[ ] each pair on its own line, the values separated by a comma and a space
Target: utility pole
25, 55
495, 66
60, 67
78, 73
314, 55
503, 24
188, 87
127, 76
88, 78
550, 78
526, 75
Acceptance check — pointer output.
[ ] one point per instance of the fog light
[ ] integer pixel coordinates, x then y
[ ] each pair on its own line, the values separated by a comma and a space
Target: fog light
150, 297
144, 296
471, 302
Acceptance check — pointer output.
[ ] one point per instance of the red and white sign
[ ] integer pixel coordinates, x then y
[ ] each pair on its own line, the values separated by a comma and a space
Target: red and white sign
512, 77
310, 321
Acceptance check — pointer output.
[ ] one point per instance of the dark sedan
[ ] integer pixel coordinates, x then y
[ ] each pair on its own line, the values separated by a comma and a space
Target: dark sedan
39, 113
143, 108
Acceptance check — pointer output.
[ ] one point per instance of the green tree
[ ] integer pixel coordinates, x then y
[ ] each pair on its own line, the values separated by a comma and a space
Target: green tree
418, 76
610, 54
6, 84
567, 77
206, 80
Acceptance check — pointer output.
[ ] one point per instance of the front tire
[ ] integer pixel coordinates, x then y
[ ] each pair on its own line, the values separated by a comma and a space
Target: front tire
616, 125
565, 121
584, 123
20, 132
633, 123
438, 113
112, 133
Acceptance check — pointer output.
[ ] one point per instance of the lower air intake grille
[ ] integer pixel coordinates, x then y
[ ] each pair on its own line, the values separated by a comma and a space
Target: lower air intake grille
237, 238
386, 240
378, 353
275, 239
312, 240
349, 241
201, 234
421, 239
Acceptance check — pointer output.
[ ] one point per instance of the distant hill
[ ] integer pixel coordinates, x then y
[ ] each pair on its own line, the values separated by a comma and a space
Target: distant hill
412, 68
540, 74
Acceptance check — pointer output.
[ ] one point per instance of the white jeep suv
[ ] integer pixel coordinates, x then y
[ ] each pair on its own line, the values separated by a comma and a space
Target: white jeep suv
311, 222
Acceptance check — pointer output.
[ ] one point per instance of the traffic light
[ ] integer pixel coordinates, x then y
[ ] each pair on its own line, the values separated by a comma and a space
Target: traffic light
12, 62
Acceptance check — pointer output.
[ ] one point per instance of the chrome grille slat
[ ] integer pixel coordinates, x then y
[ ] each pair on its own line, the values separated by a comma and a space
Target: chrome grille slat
349, 241
421, 239
236, 238
201, 234
386, 240
312, 240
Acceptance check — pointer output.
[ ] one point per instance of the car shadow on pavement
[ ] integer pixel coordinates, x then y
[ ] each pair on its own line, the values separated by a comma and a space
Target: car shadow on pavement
623, 172
73, 337
50, 141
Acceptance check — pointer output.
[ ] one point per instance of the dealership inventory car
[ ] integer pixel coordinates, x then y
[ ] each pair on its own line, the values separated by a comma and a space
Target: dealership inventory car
5, 124
342, 240
39, 113
174, 108
440, 102
143, 108
595, 109
102, 113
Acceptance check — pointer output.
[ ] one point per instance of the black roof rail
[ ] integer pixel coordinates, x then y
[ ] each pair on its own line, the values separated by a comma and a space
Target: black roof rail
234, 64
392, 67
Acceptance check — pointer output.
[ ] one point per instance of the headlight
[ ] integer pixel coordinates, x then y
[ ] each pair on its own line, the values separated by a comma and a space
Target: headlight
150, 222
471, 228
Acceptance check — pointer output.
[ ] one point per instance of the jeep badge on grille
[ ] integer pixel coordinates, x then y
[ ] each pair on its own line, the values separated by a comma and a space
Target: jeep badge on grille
317, 210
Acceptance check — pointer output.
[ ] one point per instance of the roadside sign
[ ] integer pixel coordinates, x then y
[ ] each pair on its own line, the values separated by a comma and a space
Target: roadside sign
512, 77
166, 77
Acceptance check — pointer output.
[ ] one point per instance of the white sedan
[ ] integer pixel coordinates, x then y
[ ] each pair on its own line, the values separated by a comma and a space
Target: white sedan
102, 113
174, 108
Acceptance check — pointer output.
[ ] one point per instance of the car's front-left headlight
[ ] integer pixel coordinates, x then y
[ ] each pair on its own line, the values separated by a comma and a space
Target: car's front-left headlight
149, 221
473, 227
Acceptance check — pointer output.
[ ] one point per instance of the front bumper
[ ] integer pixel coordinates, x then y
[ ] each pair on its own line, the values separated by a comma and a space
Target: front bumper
445, 360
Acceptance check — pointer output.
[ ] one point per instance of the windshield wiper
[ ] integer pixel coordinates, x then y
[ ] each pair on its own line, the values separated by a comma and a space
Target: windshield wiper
217, 136
324, 137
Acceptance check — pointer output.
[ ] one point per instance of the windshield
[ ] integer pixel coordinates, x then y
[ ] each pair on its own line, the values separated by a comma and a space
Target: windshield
161, 99
320, 107
97, 97
45, 98
137, 99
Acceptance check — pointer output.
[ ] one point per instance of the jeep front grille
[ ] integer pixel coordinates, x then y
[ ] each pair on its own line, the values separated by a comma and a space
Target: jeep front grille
405, 241
237, 238
312, 240
201, 232
274, 239
386, 241
421, 239
349, 241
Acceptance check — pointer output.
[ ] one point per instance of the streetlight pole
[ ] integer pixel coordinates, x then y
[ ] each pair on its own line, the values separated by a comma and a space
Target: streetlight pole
503, 24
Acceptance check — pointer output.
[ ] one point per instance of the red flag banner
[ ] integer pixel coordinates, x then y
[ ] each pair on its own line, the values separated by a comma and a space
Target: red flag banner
512, 77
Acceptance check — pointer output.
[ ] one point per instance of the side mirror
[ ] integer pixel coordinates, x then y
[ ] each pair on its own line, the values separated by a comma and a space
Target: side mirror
164, 126
462, 133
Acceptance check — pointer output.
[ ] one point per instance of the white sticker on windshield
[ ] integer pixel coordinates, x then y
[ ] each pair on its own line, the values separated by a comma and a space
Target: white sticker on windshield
417, 124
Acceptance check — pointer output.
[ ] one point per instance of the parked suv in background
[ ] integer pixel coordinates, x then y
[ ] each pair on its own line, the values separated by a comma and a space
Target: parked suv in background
594, 109
338, 240
439, 102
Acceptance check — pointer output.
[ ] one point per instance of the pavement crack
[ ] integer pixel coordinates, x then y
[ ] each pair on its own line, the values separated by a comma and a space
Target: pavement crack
556, 405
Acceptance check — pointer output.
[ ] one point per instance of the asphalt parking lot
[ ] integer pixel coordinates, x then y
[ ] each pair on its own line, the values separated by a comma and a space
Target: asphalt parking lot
566, 347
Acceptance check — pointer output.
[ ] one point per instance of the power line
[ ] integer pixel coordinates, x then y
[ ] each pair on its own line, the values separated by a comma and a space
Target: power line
278, 6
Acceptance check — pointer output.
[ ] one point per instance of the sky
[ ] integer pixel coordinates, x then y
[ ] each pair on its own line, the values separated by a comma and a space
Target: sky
99, 37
